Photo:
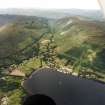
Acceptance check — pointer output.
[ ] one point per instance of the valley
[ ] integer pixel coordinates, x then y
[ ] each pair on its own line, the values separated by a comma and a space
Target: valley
75, 45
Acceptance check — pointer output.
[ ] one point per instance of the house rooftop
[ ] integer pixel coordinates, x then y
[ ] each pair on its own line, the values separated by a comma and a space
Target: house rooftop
17, 72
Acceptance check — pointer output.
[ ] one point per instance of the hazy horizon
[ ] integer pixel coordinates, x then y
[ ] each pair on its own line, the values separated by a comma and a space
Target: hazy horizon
50, 4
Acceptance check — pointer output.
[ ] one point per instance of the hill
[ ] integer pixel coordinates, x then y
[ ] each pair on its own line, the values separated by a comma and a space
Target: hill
17, 36
73, 35
74, 45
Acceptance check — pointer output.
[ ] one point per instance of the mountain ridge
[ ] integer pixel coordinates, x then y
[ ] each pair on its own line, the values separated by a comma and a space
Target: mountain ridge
55, 14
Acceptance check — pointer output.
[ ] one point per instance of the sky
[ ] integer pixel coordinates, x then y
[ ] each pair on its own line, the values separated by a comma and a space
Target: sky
49, 4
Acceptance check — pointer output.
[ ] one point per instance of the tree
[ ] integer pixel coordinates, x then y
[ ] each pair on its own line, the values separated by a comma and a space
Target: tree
48, 52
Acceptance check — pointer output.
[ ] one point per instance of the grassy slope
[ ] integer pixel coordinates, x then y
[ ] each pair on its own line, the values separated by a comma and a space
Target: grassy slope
81, 42
17, 44
72, 36
82, 36
18, 37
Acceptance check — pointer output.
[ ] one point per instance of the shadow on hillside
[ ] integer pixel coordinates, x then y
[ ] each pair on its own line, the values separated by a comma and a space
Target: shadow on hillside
81, 54
99, 61
18, 56
6, 86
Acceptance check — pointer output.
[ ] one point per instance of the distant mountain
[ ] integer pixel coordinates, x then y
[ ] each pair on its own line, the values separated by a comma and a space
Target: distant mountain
93, 14
6, 19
